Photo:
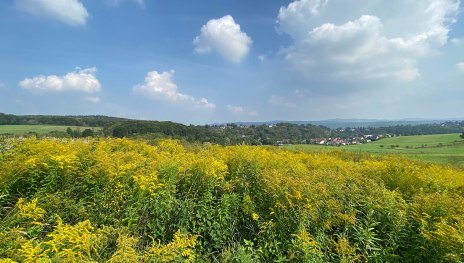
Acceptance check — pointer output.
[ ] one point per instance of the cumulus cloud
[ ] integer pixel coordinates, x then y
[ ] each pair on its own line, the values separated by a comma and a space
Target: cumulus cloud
225, 37
280, 101
240, 110
460, 66
297, 18
365, 42
161, 86
71, 12
83, 80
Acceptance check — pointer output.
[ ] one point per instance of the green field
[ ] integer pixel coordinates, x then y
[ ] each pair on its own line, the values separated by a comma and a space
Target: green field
439, 148
40, 129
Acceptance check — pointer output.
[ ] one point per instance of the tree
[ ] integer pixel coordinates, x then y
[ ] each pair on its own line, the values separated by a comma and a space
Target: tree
119, 131
462, 135
87, 133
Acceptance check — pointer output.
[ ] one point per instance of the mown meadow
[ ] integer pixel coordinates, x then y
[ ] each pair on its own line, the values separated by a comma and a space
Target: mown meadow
120, 200
20, 130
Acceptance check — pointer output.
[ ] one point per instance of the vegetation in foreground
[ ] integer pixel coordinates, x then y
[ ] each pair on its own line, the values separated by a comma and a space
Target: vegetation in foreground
117, 200
439, 148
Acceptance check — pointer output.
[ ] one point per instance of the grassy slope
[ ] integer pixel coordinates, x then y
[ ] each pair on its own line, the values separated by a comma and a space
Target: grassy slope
40, 129
440, 148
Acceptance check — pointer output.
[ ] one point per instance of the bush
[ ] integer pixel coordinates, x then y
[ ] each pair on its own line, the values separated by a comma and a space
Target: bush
87, 133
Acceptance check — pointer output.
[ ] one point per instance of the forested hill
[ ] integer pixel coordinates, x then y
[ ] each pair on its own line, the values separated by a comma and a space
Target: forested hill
91, 121
226, 134
404, 130
229, 134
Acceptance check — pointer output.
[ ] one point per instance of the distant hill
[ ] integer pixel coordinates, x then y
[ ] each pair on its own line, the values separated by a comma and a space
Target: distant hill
268, 133
225, 135
353, 123
69, 120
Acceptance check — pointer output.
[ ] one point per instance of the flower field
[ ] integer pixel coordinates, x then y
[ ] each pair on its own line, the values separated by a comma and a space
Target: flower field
119, 200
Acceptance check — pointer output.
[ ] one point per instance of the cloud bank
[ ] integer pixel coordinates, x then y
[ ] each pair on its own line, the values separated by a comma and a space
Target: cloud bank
373, 41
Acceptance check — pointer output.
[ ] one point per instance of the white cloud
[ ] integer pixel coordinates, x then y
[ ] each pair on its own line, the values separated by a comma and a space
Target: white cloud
83, 80
224, 36
141, 3
280, 101
235, 109
457, 41
240, 110
295, 19
93, 99
71, 12
375, 41
160, 86
460, 66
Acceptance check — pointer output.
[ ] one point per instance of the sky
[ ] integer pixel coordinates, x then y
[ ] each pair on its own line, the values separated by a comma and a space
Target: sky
210, 61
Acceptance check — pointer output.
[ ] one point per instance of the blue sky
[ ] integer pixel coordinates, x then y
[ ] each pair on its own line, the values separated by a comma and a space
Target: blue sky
218, 61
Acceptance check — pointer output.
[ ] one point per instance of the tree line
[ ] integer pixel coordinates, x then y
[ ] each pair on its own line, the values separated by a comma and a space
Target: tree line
91, 120
226, 134
230, 134
404, 130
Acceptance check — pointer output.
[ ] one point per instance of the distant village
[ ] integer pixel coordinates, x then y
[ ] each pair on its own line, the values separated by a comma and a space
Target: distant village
337, 141
334, 140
